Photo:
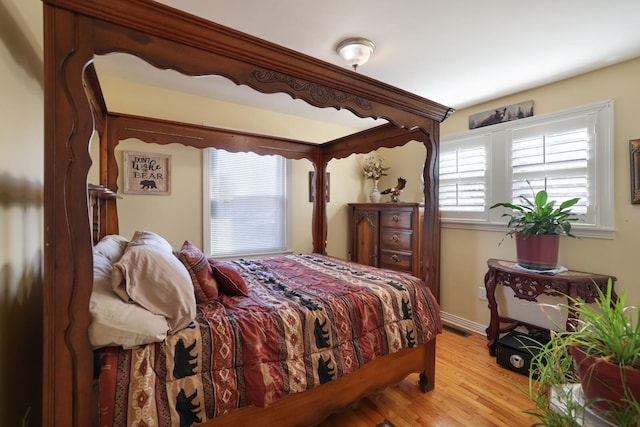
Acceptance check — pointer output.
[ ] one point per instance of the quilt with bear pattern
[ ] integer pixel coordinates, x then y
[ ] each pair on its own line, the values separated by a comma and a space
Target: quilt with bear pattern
308, 319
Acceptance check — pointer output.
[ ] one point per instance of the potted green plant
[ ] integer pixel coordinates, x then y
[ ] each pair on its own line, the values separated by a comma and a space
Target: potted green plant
537, 225
593, 370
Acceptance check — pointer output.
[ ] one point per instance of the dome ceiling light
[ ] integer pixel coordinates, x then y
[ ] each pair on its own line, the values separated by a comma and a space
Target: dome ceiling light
355, 51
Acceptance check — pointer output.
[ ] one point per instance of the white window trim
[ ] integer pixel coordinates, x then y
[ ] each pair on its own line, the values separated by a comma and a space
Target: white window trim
605, 216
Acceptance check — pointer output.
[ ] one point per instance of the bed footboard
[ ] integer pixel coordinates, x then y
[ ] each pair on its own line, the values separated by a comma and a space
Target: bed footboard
324, 400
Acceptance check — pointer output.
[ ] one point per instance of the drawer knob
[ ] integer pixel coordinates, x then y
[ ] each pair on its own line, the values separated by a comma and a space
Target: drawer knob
395, 238
395, 258
395, 218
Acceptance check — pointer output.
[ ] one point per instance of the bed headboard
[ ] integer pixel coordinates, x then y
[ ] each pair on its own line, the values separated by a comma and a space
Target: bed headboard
98, 198
77, 30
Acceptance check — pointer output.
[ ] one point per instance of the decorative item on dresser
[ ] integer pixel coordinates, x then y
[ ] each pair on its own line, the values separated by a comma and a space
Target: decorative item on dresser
374, 169
386, 235
395, 191
375, 194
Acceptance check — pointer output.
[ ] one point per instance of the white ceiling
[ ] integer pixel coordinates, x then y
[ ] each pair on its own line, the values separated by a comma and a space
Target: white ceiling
458, 53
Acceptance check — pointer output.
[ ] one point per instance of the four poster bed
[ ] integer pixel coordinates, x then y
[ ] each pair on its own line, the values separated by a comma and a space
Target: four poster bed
371, 356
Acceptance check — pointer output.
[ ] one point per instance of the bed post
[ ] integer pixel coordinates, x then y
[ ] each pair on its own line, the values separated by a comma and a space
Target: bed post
430, 268
67, 358
319, 215
428, 376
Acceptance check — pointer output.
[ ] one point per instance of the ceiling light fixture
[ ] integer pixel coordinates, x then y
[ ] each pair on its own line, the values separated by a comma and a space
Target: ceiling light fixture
355, 51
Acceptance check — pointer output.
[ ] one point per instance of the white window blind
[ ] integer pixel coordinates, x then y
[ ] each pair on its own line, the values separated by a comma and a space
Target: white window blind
570, 154
247, 196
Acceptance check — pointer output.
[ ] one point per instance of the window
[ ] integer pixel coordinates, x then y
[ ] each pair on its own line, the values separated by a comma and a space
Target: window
245, 204
463, 177
570, 154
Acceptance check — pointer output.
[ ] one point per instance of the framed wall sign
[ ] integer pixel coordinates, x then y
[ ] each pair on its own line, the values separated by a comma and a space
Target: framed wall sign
501, 115
635, 170
147, 173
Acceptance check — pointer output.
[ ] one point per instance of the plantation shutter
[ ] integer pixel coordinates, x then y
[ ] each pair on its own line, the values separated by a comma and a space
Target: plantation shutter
554, 157
463, 178
248, 200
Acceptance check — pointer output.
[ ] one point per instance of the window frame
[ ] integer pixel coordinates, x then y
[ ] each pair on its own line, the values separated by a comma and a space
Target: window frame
499, 174
206, 208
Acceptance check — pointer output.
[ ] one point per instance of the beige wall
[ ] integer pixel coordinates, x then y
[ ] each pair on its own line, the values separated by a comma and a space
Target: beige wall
21, 229
464, 253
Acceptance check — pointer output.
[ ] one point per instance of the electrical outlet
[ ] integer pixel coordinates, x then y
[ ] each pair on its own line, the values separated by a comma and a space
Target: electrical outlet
482, 293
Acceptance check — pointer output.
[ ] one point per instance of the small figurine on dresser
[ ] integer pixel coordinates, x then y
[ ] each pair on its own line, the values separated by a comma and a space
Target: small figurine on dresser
395, 191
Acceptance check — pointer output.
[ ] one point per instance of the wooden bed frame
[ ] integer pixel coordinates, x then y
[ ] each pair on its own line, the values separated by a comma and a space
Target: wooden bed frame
77, 30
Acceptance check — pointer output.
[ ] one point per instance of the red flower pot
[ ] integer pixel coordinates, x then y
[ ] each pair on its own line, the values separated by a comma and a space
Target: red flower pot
609, 386
538, 251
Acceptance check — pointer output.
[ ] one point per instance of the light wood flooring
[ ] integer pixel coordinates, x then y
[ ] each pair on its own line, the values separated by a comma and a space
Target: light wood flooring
471, 391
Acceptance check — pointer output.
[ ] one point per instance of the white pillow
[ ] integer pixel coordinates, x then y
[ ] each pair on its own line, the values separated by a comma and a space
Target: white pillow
149, 238
115, 322
152, 276
111, 246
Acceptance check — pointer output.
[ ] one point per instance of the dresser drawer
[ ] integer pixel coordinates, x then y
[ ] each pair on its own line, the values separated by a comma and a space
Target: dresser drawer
396, 239
386, 235
396, 219
399, 261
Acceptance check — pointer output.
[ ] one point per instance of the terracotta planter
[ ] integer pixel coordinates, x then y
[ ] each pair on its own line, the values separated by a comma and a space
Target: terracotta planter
538, 251
603, 380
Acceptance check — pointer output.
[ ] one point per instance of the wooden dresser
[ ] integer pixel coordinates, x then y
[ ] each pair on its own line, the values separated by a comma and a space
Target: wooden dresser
386, 235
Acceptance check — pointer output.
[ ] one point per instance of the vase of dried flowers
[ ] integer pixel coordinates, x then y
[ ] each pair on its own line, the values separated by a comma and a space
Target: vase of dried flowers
374, 169
375, 195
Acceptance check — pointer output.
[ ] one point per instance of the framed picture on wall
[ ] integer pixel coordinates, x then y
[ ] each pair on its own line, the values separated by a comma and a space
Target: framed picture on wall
147, 173
501, 115
634, 145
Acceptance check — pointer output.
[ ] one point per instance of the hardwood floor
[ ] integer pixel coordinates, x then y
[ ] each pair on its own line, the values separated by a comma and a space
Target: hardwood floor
471, 391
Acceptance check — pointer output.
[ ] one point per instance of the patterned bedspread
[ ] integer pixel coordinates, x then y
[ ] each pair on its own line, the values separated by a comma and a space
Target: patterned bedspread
309, 319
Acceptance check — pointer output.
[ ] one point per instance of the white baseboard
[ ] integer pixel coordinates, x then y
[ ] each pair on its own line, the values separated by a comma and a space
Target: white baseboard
462, 323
